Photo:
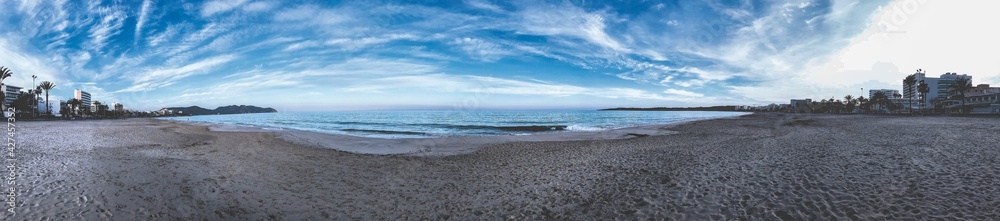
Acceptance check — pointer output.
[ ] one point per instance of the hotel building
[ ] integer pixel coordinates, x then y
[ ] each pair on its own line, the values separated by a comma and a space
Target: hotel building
84, 98
945, 82
938, 87
10, 93
889, 93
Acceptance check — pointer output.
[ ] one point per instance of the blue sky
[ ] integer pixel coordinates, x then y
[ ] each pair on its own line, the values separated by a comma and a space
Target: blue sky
480, 54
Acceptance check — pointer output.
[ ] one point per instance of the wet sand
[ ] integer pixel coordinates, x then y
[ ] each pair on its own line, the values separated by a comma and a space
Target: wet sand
762, 166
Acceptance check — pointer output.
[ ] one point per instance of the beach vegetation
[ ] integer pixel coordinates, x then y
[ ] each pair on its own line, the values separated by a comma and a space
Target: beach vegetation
4, 74
909, 81
34, 106
863, 104
849, 103
24, 102
47, 86
961, 85
923, 89
74, 106
878, 101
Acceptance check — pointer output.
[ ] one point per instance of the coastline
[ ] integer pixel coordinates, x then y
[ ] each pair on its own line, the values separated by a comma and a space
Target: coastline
758, 166
436, 146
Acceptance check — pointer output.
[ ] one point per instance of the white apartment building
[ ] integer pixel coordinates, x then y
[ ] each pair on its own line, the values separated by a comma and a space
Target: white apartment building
938, 87
11, 93
888, 92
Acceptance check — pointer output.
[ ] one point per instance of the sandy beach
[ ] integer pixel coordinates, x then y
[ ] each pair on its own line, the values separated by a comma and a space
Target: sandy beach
757, 167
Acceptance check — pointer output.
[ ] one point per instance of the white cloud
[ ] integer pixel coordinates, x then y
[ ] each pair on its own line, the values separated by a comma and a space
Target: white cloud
481, 4
163, 36
23, 65
157, 78
483, 50
143, 16
682, 93
111, 21
313, 15
349, 44
219, 6
260, 6
568, 20
192, 41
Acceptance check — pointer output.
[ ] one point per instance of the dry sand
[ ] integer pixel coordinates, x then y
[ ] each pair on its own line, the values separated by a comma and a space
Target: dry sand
762, 166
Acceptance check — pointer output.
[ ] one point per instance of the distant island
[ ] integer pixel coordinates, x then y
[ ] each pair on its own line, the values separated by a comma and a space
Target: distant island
712, 108
231, 109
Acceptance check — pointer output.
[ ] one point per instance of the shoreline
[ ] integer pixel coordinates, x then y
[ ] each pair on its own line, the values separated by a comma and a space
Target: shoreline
436, 146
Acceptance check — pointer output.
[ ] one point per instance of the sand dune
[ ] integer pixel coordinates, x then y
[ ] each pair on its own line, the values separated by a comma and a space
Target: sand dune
763, 166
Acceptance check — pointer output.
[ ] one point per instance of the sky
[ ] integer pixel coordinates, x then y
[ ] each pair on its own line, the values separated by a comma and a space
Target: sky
482, 54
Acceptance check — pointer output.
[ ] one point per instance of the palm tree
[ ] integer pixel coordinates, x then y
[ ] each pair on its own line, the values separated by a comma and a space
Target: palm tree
848, 103
923, 88
908, 82
962, 84
38, 95
879, 98
862, 102
4, 74
31, 100
46, 85
74, 103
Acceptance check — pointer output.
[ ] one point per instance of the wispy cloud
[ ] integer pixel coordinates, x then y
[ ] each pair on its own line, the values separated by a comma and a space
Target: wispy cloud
141, 21
163, 36
109, 25
157, 78
568, 20
350, 44
682, 93
260, 6
219, 6
482, 4
481, 49
312, 14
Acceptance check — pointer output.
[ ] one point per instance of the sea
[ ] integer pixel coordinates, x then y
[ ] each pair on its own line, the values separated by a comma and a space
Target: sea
444, 123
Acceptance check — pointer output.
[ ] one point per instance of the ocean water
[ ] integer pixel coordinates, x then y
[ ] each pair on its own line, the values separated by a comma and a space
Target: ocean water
422, 124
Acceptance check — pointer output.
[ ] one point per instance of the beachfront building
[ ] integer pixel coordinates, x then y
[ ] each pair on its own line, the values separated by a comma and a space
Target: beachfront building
164, 112
800, 105
888, 92
84, 98
769, 107
11, 93
912, 92
983, 99
944, 84
117, 106
938, 92
946, 98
